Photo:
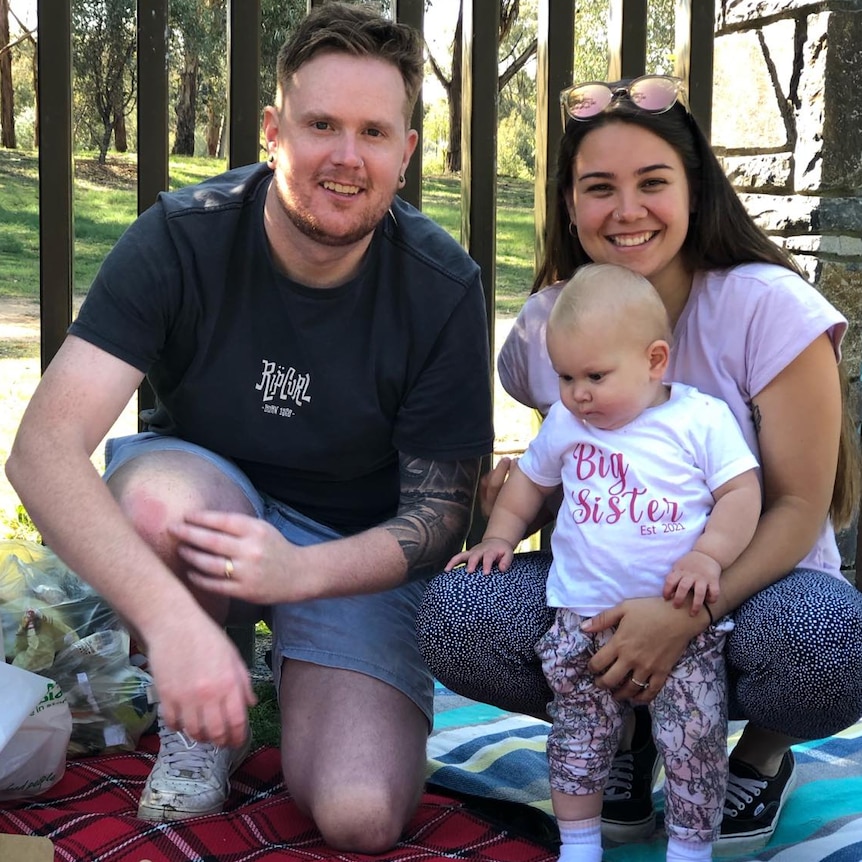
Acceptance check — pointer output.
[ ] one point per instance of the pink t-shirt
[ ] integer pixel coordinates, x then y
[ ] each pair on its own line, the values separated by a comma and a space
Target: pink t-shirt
739, 329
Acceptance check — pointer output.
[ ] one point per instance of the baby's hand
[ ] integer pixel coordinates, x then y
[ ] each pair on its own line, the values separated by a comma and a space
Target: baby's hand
487, 553
695, 573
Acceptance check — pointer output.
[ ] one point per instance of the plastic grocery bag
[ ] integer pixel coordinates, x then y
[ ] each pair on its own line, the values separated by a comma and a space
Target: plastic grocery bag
35, 726
44, 605
54, 624
109, 698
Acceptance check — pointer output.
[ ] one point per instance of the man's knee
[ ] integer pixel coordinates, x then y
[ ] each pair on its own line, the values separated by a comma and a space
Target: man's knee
362, 819
148, 513
147, 496
157, 488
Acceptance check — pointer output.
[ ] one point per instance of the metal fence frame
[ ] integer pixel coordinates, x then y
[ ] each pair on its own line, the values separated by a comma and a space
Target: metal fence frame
694, 25
694, 51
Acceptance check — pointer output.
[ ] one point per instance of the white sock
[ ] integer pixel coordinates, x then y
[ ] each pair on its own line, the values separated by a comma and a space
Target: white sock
581, 840
688, 851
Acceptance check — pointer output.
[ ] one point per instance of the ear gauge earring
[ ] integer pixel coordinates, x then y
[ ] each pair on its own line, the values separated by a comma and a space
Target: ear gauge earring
271, 159
401, 179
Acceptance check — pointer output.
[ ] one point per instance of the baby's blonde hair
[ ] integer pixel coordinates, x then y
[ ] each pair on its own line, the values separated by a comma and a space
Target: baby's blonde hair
613, 297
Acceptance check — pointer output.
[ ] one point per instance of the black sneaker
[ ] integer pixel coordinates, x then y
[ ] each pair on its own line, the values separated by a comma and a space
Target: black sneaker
753, 804
627, 809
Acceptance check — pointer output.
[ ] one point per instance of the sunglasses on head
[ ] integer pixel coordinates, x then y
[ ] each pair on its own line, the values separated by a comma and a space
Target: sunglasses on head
653, 93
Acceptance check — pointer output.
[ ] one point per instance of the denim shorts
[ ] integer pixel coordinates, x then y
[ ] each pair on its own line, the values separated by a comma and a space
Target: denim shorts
370, 634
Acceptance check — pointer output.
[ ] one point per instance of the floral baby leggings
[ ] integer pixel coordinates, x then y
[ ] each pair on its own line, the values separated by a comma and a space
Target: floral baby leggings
689, 719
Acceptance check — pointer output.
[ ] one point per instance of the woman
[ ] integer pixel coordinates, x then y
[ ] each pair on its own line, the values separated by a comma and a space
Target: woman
638, 184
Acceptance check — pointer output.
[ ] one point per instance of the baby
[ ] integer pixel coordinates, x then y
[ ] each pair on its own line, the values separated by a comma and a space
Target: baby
660, 494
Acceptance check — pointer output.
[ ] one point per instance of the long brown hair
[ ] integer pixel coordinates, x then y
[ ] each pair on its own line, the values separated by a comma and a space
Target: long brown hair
721, 234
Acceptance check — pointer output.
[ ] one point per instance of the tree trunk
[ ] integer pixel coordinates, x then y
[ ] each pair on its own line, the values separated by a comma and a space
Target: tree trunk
121, 139
106, 141
35, 93
222, 138
213, 132
184, 141
452, 85
7, 91
453, 155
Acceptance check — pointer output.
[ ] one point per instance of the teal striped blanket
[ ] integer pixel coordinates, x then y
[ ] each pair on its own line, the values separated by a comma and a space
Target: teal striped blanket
479, 750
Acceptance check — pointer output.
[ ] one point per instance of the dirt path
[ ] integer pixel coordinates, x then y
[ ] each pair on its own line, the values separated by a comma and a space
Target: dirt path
20, 367
19, 325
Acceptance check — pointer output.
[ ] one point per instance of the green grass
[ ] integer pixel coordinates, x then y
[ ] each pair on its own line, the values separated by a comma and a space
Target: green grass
441, 199
105, 203
264, 718
18, 525
19, 215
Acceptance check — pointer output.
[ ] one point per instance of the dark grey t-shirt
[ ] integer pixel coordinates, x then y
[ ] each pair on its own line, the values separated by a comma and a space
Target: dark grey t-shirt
312, 392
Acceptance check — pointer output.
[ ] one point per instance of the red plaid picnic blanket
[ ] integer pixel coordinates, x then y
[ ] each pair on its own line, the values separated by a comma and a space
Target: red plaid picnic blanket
90, 817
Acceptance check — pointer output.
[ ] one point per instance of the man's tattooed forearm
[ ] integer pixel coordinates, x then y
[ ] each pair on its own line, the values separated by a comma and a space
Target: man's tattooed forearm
434, 511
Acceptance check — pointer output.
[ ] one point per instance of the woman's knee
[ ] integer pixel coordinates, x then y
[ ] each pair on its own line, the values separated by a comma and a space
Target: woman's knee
795, 656
463, 608
808, 619
477, 633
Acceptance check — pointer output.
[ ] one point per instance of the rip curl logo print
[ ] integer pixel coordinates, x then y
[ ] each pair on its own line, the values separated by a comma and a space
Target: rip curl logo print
283, 389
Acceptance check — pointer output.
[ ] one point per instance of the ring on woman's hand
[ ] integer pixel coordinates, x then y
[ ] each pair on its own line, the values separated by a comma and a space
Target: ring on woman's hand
643, 685
228, 568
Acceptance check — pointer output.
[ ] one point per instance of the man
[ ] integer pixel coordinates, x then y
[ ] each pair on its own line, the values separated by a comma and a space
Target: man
319, 353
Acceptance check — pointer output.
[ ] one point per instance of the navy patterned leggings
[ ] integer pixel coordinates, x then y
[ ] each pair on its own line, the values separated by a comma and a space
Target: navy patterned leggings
794, 658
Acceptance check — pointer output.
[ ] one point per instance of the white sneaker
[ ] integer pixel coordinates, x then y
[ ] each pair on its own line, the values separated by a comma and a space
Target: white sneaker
190, 778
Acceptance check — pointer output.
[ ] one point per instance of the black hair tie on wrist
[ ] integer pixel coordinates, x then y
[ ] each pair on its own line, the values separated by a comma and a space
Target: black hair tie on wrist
711, 617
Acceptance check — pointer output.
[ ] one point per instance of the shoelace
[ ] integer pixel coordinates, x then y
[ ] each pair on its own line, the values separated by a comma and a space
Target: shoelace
740, 792
620, 777
184, 757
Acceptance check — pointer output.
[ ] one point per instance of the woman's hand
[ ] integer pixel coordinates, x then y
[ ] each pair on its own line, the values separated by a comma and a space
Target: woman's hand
491, 483
651, 635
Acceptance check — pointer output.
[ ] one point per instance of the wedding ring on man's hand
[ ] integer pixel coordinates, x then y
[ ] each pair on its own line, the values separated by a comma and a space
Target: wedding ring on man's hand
643, 685
228, 568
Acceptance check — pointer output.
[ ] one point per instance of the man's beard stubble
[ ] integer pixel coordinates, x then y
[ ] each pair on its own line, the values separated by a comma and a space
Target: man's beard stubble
310, 227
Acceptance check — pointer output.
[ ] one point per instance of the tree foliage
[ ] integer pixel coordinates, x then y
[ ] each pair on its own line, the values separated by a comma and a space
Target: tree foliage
517, 47
516, 147
21, 51
278, 19
104, 64
590, 62
104, 41
198, 63
198, 47
517, 82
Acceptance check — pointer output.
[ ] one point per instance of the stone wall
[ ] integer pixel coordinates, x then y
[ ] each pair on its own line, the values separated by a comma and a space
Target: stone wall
787, 125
